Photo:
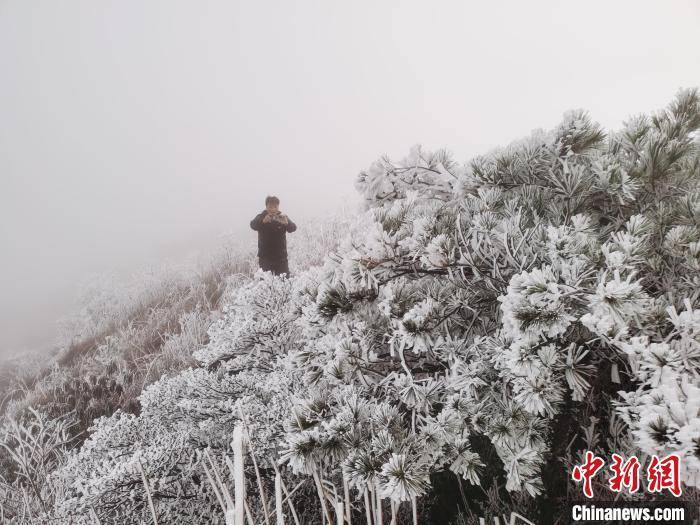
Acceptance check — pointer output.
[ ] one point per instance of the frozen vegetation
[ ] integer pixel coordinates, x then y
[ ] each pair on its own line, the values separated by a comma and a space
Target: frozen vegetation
466, 338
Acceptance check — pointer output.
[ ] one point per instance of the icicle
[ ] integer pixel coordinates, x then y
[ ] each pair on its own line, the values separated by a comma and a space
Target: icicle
258, 477
278, 499
148, 493
380, 517
288, 497
515, 515
93, 516
346, 495
615, 374
322, 497
368, 507
239, 478
339, 512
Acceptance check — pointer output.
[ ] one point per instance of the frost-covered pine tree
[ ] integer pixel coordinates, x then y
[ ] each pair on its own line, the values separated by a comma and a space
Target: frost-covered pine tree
520, 298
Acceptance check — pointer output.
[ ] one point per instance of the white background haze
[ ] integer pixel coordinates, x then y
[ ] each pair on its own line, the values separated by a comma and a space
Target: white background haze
133, 130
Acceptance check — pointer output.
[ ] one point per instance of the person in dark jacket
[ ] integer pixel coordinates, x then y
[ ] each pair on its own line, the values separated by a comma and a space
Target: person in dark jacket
272, 227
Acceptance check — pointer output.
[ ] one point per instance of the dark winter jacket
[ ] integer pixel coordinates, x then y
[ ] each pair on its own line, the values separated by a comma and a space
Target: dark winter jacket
272, 237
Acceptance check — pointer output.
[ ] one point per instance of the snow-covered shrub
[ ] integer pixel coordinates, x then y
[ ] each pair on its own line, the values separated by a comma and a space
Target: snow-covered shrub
31, 448
186, 414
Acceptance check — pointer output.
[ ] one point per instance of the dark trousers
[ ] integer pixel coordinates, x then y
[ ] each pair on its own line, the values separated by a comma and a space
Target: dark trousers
276, 266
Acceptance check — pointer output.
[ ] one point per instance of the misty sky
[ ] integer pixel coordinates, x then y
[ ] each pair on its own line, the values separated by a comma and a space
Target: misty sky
135, 130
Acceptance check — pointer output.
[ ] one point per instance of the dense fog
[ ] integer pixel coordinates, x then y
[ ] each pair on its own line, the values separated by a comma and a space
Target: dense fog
131, 132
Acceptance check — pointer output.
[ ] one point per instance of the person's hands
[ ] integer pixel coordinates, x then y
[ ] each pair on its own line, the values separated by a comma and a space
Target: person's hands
267, 219
283, 219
